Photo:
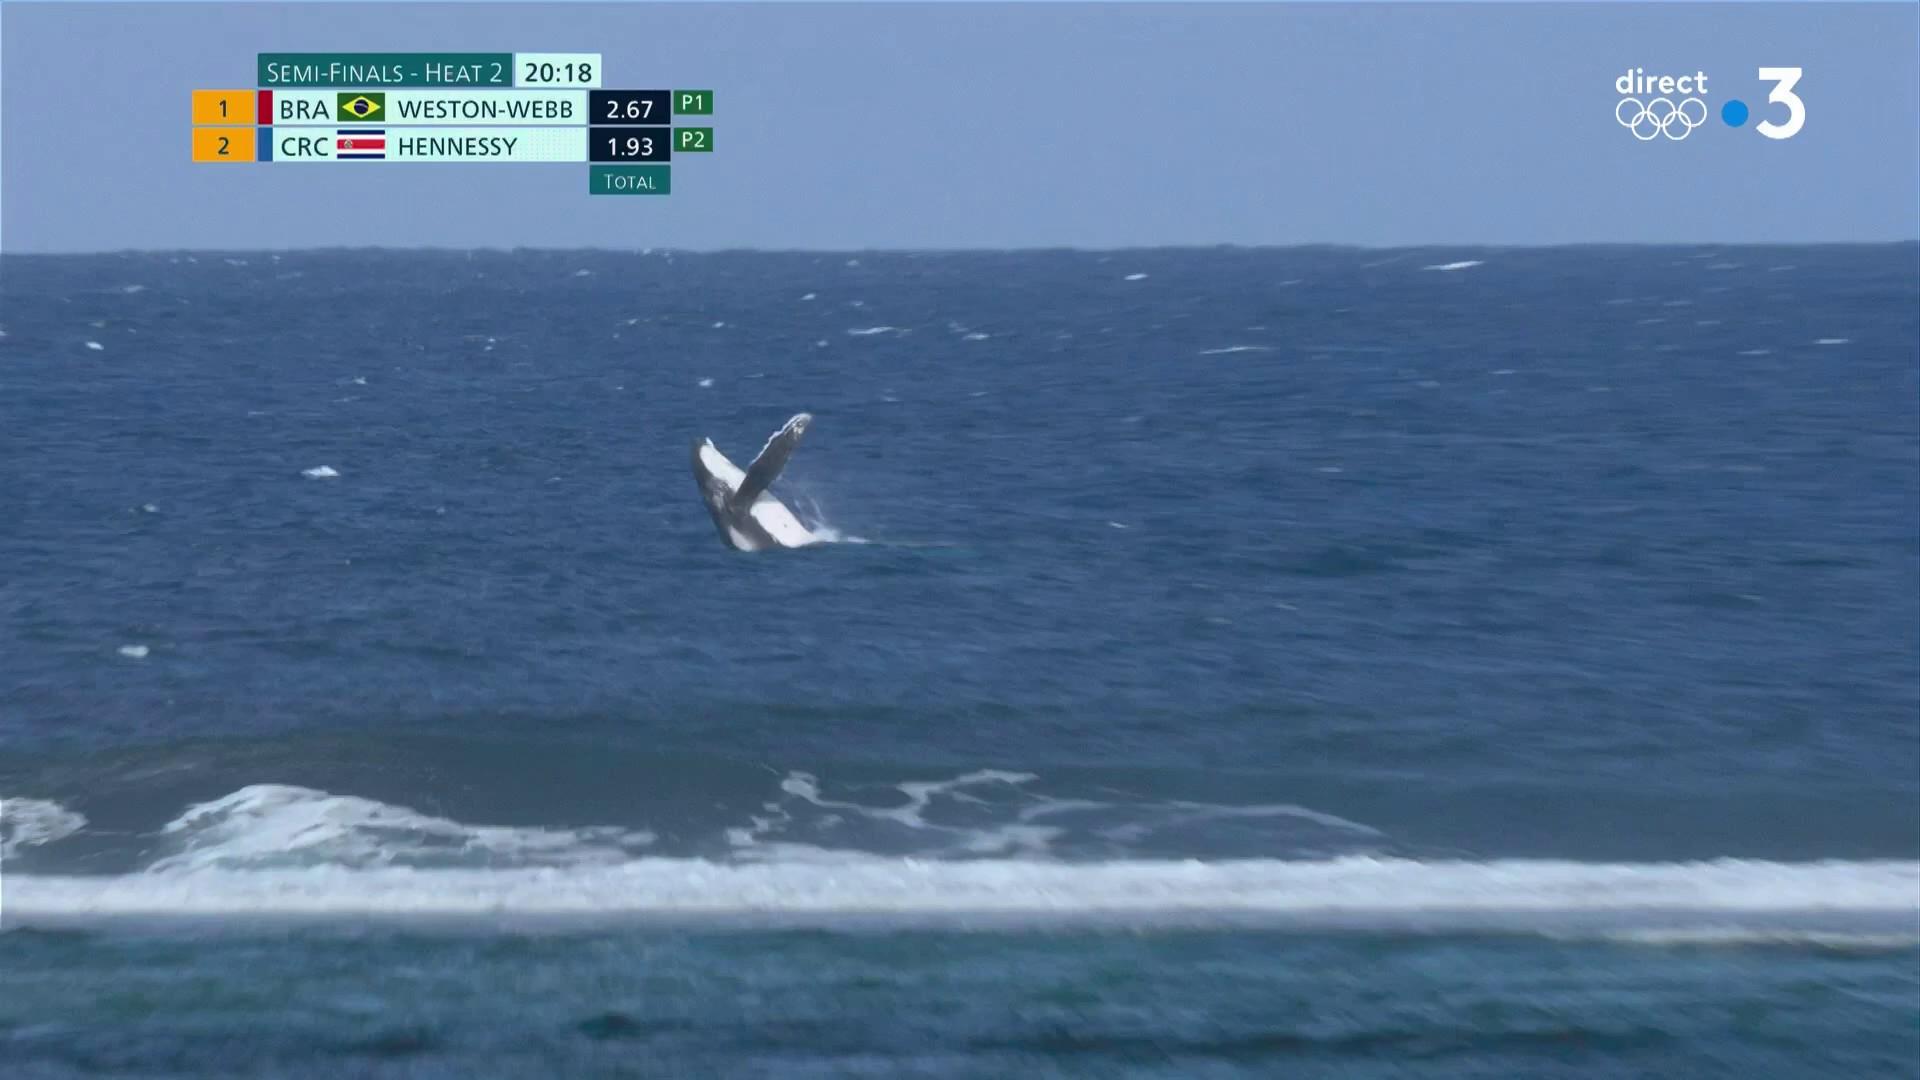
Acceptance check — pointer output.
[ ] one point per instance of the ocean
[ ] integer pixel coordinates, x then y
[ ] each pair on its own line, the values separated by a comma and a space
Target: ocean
1225, 662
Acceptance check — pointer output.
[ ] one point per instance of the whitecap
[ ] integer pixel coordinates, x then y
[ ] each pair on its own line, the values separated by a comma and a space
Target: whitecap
869, 331
26, 823
1226, 350
704, 383
281, 825
1465, 264
96, 346
1135, 277
133, 652
319, 472
1834, 341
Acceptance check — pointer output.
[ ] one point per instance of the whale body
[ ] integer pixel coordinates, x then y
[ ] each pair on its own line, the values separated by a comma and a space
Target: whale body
750, 517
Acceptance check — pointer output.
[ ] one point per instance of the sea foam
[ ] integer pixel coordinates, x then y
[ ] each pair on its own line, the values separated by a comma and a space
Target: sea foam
809, 886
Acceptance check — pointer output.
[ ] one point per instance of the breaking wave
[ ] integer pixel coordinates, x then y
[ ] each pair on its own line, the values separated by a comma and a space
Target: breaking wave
26, 823
1688, 902
983, 849
265, 826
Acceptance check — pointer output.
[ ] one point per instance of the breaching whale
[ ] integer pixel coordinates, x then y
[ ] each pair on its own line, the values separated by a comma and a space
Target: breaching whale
748, 516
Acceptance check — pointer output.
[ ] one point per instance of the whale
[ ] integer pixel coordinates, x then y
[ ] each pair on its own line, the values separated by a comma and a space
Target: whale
748, 515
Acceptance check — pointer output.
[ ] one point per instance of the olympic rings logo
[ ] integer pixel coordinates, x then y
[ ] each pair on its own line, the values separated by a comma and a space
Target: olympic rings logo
1660, 117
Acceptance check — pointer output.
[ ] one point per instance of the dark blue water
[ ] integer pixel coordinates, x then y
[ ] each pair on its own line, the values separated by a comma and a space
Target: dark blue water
1228, 662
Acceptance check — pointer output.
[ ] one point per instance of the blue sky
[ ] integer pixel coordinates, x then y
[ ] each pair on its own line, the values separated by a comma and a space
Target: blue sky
850, 126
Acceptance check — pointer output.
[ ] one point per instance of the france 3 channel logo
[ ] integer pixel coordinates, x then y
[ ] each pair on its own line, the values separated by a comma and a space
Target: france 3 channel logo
1672, 106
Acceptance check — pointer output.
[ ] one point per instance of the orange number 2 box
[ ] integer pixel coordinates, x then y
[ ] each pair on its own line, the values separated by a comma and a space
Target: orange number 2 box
223, 144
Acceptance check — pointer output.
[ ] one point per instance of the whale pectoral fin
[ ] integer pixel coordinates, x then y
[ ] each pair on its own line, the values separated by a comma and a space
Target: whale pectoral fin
773, 458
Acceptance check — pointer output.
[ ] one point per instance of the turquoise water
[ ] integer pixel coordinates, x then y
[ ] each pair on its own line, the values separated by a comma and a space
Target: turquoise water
950, 1003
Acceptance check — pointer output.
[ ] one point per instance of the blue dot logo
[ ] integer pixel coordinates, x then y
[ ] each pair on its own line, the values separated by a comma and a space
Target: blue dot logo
1734, 112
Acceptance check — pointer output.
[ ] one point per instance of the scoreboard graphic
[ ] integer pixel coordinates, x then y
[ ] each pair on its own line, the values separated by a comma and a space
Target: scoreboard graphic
359, 108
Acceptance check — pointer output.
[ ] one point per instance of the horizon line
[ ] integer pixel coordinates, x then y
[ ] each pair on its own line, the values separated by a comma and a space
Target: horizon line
939, 250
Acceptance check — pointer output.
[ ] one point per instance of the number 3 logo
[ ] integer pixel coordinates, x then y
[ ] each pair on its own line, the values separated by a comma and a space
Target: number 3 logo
1784, 79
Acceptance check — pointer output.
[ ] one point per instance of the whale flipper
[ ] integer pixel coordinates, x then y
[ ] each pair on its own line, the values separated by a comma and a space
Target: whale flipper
749, 517
773, 458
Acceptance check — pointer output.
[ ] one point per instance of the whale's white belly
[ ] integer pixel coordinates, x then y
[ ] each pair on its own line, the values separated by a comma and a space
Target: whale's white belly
768, 512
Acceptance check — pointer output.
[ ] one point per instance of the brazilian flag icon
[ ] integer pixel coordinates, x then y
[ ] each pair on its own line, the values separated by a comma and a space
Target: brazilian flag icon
358, 106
